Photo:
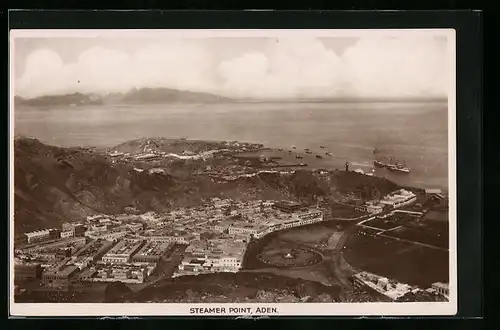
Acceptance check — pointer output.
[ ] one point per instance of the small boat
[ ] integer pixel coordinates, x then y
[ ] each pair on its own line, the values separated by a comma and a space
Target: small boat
293, 147
280, 149
299, 157
328, 153
379, 163
322, 147
302, 164
319, 156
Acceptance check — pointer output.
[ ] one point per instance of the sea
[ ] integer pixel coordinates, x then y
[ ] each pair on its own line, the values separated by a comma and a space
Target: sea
416, 133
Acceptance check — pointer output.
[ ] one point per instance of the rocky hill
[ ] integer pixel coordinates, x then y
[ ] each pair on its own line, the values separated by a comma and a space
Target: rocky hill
236, 287
53, 185
168, 95
75, 99
134, 96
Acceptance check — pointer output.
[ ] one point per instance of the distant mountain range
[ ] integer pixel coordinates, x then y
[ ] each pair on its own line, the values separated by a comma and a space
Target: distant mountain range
163, 95
134, 96
74, 99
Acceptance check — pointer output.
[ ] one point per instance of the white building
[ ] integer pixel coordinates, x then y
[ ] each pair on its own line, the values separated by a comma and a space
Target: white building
40, 235
442, 288
109, 236
374, 208
246, 229
122, 252
309, 216
399, 198
66, 234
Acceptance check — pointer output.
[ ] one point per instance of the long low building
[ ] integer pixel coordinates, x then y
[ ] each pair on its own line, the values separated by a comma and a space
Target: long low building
126, 273
91, 253
60, 273
152, 252
123, 251
76, 242
184, 239
399, 198
385, 288
42, 235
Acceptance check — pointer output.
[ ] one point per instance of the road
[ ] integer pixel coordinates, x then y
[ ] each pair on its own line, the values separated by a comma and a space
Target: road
342, 275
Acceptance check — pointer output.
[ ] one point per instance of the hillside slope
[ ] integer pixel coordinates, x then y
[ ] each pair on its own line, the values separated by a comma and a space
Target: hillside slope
53, 185
168, 95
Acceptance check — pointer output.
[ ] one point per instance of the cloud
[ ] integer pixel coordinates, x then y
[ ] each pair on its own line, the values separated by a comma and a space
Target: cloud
396, 67
281, 68
175, 64
290, 67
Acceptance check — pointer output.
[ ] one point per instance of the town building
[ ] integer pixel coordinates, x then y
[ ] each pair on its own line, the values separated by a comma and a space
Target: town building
96, 217
387, 289
223, 226
245, 228
135, 227
373, 208
42, 235
151, 252
287, 206
126, 273
91, 253
60, 272
72, 230
123, 251
441, 288
75, 242
67, 234
399, 198
183, 239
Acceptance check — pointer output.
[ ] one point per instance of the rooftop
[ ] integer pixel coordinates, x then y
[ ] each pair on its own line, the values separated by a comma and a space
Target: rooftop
62, 272
124, 247
153, 249
92, 248
441, 285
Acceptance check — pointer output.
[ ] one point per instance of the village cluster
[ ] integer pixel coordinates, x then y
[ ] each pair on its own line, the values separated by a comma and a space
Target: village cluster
128, 248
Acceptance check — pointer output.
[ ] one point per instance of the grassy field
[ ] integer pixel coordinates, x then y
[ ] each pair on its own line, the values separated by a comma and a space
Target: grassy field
405, 262
387, 223
421, 236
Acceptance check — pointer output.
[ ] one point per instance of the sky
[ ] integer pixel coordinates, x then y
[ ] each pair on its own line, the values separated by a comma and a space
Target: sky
285, 67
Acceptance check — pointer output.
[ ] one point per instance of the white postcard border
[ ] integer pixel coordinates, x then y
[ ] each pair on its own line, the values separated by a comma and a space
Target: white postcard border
282, 309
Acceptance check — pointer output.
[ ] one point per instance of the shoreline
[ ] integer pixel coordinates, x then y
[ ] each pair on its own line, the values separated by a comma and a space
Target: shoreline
328, 163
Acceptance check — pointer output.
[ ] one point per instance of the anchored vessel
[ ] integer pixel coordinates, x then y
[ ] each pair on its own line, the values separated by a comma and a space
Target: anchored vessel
396, 166
399, 167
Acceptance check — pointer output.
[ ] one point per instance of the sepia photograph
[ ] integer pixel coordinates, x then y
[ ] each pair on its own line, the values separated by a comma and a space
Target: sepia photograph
232, 172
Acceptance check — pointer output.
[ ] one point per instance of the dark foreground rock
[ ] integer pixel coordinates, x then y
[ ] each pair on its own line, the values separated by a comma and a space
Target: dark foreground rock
231, 288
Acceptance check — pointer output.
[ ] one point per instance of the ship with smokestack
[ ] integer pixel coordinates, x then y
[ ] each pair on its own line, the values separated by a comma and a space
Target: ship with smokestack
391, 164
